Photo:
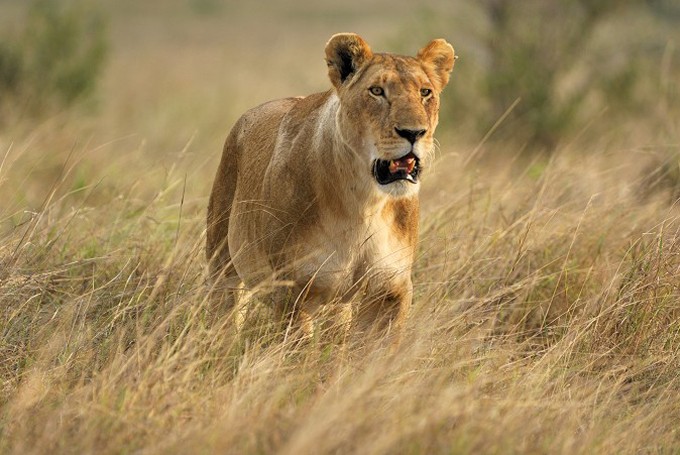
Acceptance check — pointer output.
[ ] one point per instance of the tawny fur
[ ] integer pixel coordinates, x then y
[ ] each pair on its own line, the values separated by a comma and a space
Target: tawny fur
295, 200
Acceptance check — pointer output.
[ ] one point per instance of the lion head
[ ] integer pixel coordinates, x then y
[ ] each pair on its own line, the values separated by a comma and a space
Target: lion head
389, 106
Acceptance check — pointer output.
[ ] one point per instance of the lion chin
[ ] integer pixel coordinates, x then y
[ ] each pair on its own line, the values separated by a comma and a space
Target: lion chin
402, 188
315, 200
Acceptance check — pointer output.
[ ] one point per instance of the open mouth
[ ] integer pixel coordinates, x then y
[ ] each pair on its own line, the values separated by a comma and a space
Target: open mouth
405, 168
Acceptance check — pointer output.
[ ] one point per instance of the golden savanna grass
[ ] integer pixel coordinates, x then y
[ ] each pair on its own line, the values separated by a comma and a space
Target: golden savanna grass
545, 319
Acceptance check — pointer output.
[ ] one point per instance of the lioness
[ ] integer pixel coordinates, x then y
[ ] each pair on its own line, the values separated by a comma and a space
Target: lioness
321, 191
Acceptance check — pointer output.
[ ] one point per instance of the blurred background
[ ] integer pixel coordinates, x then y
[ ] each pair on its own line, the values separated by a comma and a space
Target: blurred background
143, 87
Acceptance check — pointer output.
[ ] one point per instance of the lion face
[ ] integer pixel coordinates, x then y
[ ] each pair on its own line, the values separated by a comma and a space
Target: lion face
389, 107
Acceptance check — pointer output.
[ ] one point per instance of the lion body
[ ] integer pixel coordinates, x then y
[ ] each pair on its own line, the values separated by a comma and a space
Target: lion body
294, 199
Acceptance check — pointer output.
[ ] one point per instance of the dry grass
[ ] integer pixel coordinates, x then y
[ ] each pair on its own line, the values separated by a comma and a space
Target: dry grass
546, 316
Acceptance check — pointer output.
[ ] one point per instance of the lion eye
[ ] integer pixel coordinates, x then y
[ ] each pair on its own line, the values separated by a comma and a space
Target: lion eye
377, 91
425, 92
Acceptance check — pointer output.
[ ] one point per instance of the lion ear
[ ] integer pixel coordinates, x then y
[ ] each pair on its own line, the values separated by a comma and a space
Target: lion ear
438, 58
345, 54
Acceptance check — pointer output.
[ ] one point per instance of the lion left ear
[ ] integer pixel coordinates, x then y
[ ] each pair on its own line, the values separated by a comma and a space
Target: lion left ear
438, 58
345, 54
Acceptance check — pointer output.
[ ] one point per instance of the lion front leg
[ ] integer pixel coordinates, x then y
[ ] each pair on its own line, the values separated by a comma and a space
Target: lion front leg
386, 311
309, 313
296, 309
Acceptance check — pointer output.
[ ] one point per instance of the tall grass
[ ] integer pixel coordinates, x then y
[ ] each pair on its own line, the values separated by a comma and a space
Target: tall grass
545, 317
545, 320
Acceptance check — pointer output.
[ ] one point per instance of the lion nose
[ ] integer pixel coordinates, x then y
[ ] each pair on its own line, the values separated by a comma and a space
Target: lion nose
410, 135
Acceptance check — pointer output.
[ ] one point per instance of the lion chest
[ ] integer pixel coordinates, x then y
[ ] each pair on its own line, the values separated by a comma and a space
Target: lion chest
338, 257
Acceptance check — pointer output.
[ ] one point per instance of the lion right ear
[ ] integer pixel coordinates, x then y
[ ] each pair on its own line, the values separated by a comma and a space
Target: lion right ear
438, 58
345, 54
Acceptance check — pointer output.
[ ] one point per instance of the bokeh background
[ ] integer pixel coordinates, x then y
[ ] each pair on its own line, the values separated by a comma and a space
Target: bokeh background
534, 77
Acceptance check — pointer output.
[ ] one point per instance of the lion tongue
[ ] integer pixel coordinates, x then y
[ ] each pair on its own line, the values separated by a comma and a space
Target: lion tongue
402, 164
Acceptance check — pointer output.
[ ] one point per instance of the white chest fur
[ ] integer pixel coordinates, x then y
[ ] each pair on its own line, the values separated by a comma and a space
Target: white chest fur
343, 256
